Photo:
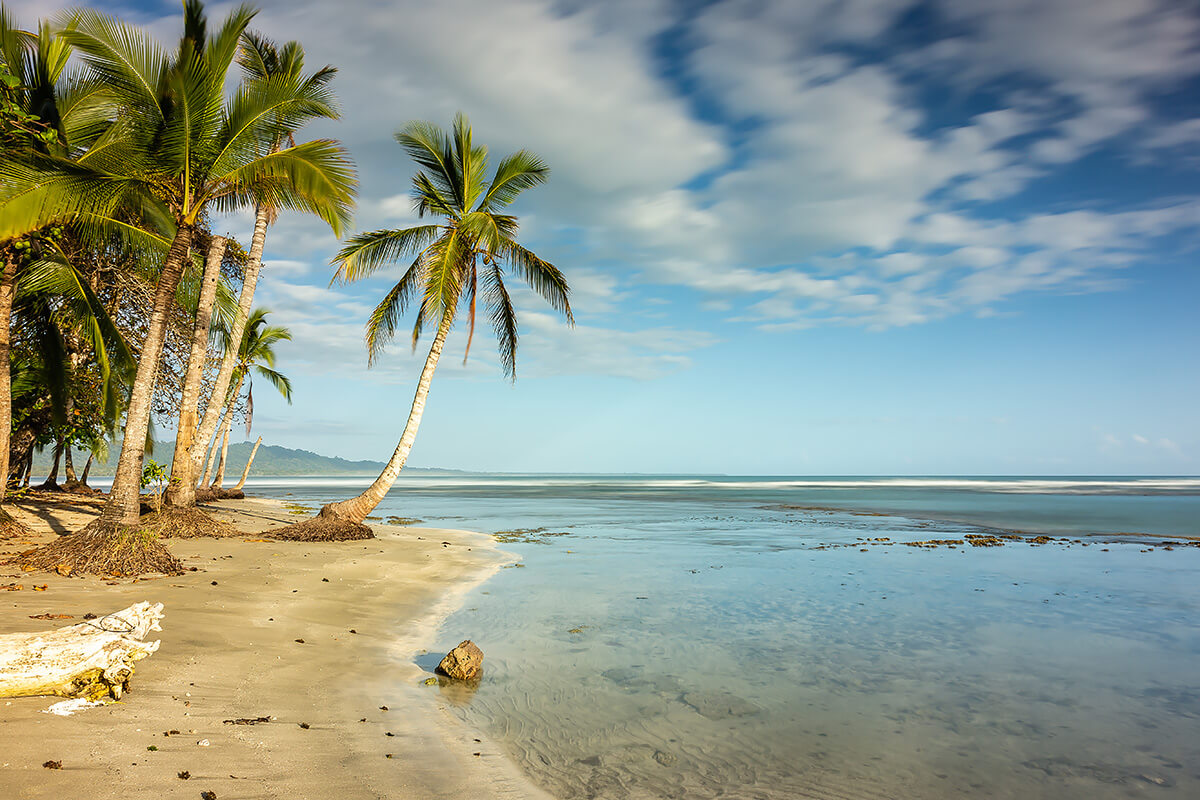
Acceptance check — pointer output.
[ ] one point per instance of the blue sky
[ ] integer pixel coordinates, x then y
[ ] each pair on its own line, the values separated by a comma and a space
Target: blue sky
854, 237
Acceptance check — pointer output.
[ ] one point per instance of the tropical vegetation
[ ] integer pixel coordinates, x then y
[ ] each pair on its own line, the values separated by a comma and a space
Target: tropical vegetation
123, 305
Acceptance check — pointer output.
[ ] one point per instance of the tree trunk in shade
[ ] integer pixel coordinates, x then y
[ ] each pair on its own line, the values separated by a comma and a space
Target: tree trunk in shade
181, 491
51, 482
8, 287
69, 467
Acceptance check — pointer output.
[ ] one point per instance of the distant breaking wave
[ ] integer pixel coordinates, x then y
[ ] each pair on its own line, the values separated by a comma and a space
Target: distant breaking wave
1000, 485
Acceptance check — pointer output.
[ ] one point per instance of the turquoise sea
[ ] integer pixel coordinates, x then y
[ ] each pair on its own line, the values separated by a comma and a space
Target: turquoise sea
744, 637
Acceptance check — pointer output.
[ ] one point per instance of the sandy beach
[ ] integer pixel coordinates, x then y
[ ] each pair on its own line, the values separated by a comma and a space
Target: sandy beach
350, 715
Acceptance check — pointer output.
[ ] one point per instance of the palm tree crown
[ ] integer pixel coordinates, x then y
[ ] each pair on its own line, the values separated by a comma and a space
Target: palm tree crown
257, 355
463, 258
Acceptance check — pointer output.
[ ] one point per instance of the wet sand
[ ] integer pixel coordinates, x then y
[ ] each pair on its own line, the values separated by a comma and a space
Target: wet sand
229, 651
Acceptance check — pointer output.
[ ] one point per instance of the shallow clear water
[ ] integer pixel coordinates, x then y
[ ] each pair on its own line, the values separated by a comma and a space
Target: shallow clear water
685, 639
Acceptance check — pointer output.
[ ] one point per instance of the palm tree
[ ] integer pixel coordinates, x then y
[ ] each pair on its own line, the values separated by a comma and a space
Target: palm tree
255, 355
263, 64
455, 263
190, 150
44, 109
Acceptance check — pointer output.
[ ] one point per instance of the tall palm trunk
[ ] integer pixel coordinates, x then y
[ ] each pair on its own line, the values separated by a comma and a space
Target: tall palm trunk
249, 461
124, 502
357, 508
86, 469
219, 478
212, 455
223, 434
212, 414
69, 467
8, 286
182, 489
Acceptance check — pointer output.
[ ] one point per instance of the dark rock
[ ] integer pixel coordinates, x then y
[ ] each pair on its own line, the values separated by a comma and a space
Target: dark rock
464, 663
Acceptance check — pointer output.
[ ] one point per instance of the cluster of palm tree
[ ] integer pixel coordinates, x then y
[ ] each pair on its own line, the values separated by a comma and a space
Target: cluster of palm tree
117, 300
133, 150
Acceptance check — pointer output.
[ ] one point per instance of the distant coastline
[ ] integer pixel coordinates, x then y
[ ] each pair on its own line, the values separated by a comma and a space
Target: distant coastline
271, 460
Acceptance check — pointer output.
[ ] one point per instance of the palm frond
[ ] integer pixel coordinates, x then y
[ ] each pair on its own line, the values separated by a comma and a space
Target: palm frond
123, 57
317, 177
543, 277
470, 162
381, 324
223, 45
517, 172
277, 379
262, 112
429, 146
365, 253
504, 318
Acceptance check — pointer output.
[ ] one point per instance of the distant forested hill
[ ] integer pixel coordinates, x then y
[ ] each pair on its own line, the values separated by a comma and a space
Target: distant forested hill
271, 460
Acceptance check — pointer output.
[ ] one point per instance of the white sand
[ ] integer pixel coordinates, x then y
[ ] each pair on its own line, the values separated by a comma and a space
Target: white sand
229, 651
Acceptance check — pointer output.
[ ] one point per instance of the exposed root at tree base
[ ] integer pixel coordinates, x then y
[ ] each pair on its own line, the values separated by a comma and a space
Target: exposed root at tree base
205, 494
186, 523
323, 528
104, 547
10, 528
231, 494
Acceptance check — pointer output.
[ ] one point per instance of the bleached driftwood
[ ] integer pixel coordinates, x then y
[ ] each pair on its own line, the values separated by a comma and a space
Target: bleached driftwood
93, 659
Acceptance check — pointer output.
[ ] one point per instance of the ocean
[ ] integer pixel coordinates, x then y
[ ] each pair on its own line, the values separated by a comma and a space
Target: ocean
744, 637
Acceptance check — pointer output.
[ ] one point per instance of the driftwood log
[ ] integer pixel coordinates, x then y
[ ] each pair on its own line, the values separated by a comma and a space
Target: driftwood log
93, 659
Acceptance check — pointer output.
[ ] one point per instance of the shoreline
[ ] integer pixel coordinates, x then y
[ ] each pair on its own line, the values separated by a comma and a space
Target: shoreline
244, 608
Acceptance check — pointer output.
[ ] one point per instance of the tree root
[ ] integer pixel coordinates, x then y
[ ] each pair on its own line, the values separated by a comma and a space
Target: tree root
325, 527
231, 494
205, 494
104, 547
76, 487
187, 523
10, 528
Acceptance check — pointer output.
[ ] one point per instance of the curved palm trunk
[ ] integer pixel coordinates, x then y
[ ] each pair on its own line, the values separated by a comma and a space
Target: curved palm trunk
51, 482
225, 426
357, 508
212, 414
246, 471
124, 502
181, 491
8, 285
86, 469
212, 455
223, 434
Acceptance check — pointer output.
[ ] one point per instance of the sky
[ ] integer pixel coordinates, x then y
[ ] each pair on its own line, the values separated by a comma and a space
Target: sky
844, 237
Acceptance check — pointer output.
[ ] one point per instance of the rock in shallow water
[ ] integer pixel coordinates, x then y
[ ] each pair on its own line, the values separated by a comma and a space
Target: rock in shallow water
464, 663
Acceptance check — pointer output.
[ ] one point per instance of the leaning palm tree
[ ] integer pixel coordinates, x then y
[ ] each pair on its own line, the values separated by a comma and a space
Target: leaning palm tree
255, 355
455, 263
263, 64
193, 151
